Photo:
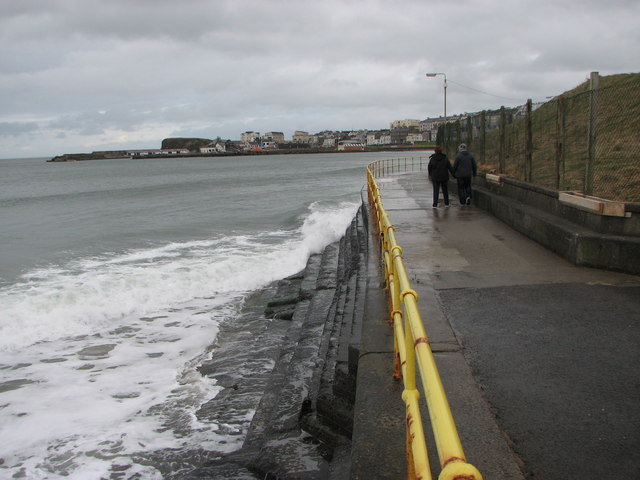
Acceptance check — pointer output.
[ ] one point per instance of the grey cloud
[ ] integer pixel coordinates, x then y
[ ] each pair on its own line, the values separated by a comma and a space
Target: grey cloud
165, 66
95, 123
14, 129
94, 18
30, 58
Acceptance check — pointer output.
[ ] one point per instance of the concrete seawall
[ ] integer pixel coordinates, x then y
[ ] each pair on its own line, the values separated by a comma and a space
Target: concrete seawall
582, 237
302, 428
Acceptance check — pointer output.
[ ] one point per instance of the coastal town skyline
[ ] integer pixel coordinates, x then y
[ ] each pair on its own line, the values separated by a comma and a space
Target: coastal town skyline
405, 132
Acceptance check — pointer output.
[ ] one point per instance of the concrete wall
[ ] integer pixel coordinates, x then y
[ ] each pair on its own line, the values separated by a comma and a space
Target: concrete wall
582, 237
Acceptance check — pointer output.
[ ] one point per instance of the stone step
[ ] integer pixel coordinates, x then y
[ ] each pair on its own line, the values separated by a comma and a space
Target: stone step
282, 448
301, 429
333, 415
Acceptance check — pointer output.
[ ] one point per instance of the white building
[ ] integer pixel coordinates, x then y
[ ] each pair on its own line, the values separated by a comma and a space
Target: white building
302, 137
277, 137
350, 145
249, 137
217, 148
408, 123
157, 151
385, 138
269, 145
415, 137
382, 137
329, 143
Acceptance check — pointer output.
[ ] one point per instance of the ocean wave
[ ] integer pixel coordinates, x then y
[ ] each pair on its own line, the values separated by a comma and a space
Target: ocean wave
87, 295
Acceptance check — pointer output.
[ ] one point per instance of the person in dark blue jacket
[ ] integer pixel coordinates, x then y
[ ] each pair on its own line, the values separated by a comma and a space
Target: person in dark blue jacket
464, 167
439, 168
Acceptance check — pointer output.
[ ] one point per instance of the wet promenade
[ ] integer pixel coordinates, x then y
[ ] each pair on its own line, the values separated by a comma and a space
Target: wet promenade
539, 357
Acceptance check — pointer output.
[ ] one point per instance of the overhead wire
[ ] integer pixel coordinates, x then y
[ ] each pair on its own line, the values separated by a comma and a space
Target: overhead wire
484, 93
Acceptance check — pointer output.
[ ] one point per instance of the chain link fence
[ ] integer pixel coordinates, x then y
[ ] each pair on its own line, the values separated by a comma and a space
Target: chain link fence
586, 141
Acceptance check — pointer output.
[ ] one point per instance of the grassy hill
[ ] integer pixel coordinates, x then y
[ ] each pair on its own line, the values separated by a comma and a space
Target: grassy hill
192, 144
560, 154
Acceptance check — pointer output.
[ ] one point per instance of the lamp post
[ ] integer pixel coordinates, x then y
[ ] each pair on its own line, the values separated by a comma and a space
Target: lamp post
431, 75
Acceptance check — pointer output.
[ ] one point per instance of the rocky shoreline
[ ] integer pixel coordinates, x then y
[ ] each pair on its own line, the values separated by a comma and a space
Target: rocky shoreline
303, 423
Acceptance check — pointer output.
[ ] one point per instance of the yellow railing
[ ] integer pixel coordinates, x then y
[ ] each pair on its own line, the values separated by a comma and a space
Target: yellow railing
392, 166
412, 348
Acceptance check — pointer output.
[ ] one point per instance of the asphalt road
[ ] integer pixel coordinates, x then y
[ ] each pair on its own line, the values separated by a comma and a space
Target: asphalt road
559, 364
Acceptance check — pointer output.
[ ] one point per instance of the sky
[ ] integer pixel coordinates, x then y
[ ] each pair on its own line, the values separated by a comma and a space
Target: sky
86, 75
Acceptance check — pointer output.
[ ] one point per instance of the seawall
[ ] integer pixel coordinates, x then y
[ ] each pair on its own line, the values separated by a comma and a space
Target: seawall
582, 237
304, 424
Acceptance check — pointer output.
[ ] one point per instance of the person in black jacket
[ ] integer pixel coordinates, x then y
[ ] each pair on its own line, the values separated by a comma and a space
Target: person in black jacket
439, 168
464, 167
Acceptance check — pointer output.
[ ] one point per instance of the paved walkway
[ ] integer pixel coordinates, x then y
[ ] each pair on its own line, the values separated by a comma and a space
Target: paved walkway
539, 358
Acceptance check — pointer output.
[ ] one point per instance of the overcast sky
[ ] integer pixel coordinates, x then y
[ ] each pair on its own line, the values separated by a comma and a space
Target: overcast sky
85, 75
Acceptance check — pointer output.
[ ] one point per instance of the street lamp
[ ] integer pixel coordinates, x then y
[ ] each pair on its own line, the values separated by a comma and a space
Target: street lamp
431, 75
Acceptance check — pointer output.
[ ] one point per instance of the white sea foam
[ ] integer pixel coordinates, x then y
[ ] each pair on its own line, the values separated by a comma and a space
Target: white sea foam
98, 357
88, 295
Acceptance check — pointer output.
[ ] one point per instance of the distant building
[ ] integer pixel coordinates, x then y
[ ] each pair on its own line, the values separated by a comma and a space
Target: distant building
350, 145
249, 137
399, 135
329, 142
156, 151
429, 128
408, 123
303, 137
268, 145
219, 147
233, 146
415, 137
277, 137
300, 137
381, 137
360, 136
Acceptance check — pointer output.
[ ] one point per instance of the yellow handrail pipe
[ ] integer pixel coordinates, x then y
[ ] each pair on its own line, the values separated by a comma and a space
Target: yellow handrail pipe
412, 353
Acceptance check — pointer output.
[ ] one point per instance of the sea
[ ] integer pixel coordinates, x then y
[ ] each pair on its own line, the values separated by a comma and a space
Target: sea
116, 277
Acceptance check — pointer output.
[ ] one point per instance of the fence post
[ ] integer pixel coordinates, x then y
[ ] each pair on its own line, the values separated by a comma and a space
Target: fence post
503, 126
560, 133
483, 135
528, 155
594, 86
442, 137
469, 133
445, 133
